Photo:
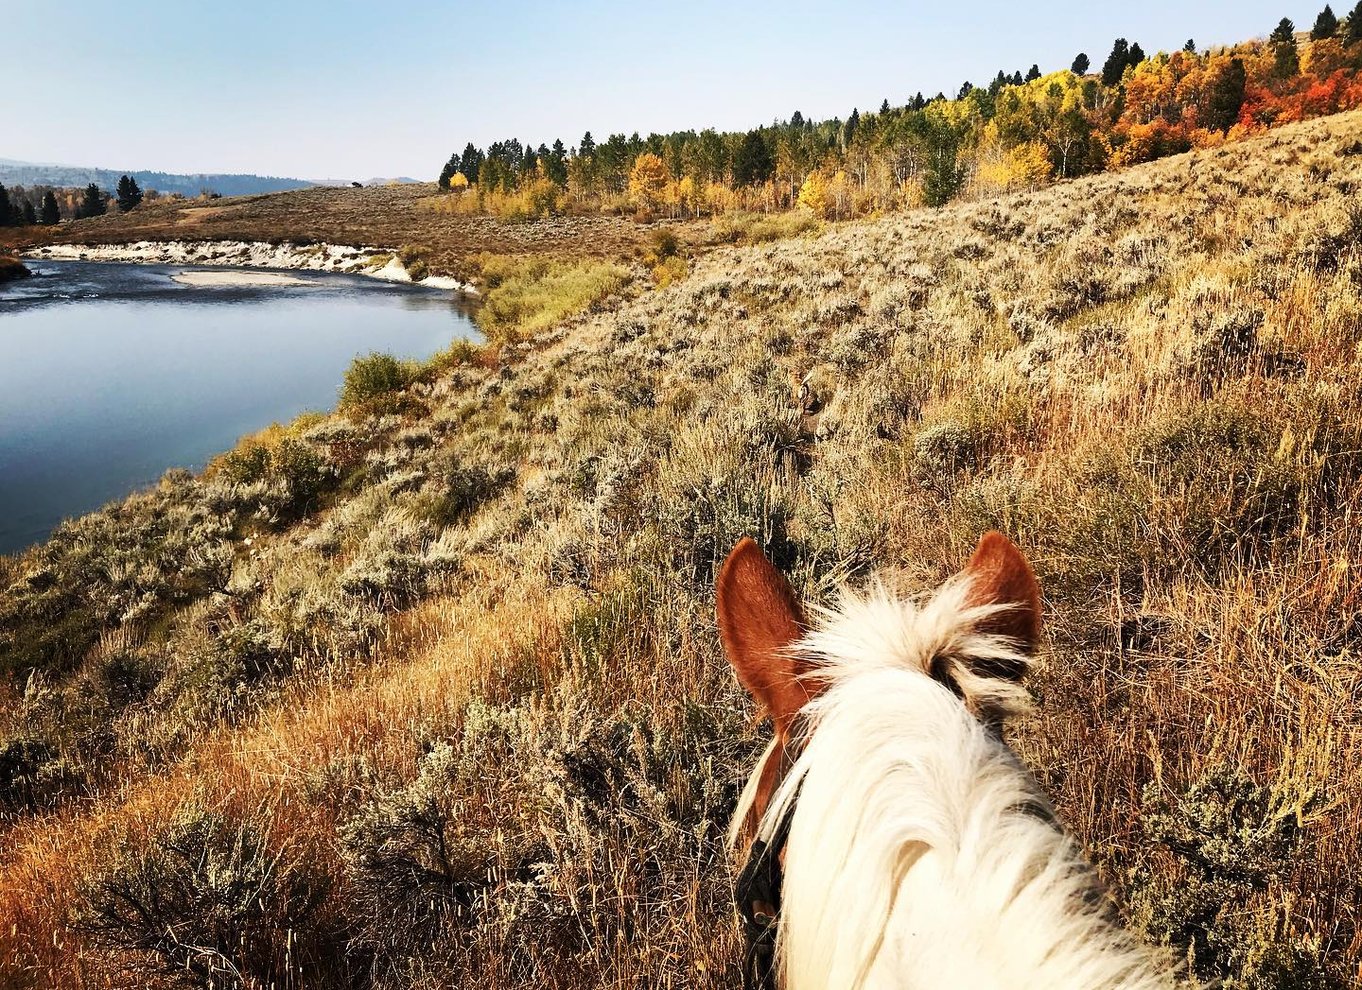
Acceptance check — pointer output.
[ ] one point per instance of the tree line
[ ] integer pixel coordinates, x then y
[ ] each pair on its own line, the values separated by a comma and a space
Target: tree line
1020, 130
19, 209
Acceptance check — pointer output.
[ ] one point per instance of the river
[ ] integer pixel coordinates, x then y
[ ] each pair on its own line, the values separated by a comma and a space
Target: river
112, 373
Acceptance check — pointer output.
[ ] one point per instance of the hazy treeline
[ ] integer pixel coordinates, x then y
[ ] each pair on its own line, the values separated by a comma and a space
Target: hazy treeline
1017, 131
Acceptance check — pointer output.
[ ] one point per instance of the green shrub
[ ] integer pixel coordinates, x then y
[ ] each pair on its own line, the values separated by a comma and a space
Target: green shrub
1229, 843
376, 376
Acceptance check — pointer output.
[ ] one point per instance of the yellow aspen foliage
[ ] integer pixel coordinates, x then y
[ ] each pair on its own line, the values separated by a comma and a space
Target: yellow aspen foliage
458, 182
688, 196
813, 195
720, 199
839, 194
648, 181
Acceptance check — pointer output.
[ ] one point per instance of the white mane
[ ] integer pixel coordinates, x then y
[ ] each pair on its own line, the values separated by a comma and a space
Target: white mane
920, 852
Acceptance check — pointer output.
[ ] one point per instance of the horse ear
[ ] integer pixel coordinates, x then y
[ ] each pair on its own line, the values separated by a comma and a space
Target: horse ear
758, 618
999, 575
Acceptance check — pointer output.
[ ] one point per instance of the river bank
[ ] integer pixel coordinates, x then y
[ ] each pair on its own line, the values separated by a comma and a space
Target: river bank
336, 258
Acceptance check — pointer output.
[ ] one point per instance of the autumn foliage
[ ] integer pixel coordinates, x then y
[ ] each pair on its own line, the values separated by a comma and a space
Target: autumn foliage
1017, 133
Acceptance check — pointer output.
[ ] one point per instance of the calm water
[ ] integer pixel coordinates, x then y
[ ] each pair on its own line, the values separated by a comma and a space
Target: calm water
110, 374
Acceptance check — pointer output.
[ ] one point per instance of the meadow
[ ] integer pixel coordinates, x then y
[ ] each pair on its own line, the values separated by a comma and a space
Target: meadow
428, 691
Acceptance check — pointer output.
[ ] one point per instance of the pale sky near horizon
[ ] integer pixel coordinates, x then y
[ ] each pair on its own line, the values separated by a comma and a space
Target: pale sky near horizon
359, 88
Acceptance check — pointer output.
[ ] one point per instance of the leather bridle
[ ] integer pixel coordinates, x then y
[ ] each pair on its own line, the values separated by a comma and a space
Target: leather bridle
757, 893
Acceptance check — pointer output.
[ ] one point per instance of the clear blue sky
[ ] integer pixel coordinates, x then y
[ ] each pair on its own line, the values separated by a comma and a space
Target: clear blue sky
361, 88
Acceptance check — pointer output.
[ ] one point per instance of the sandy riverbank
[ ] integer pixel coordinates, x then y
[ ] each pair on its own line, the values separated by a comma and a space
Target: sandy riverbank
337, 258
229, 278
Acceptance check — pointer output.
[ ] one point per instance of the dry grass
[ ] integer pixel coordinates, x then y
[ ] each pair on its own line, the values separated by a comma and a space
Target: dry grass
385, 217
464, 676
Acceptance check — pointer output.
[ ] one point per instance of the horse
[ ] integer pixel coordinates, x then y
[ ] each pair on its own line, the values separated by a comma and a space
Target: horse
892, 839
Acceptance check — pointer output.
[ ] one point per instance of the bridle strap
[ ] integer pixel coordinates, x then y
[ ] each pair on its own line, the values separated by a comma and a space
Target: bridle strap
758, 893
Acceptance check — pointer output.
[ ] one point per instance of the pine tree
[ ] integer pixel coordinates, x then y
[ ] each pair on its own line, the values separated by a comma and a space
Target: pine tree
8, 215
1081, 64
966, 88
1226, 96
92, 204
1016, 79
1326, 25
557, 164
1190, 47
447, 172
129, 195
1116, 62
1033, 73
1286, 60
1353, 34
470, 162
30, 214
1136, 55
754, 163
51, 213
884, 107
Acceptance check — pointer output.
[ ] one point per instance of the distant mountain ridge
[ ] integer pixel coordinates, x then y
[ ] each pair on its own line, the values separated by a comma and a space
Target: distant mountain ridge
20, 173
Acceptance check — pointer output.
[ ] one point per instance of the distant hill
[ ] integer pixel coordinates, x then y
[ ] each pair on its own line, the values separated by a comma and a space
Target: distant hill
19, 173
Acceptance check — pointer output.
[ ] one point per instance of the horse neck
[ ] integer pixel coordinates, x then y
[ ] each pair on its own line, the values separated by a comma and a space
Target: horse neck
921, 854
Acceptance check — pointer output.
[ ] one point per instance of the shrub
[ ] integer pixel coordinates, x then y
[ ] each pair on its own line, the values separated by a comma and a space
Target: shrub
207, 896
1229, 842
376, 376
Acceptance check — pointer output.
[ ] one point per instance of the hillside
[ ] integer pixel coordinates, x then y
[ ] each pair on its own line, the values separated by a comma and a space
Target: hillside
386, 216
18, 173
429, 691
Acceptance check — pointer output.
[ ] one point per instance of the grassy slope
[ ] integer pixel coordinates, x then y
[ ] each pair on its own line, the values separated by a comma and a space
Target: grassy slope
386, 216
463, 683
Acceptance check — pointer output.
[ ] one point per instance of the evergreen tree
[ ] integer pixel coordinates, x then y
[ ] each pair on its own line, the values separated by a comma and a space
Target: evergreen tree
754, 163
1286, 60
1190, 47
30, 214
1116, 62
797, 121
129, 195
8, 215
1016, 78
1136, 55
966, 88
92, 204
1226, 96
557, 163
919, 101
1081, 64
849, 131
470, 162
447, 172
51, 213
884, 107
1033, 73
1326, 25
1353, 33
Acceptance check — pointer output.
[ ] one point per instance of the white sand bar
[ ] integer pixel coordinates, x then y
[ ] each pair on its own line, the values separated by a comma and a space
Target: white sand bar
236, 278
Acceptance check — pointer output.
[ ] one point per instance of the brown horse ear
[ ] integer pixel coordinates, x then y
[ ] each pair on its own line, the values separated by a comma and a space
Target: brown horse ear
758, 618
1000, 575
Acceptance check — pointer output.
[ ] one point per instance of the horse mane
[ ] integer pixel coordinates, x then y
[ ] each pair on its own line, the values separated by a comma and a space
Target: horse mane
920, 852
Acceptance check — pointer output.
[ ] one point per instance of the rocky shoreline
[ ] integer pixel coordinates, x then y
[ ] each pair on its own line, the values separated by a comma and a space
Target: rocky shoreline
338, 258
